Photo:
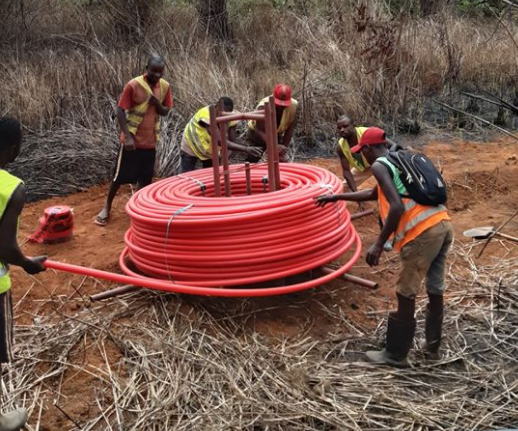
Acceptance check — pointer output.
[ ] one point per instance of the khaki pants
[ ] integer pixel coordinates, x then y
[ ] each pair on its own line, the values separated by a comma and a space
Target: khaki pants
425, 257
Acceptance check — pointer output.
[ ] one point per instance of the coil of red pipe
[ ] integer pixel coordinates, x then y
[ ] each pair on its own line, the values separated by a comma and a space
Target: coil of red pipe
182, 234
187, 241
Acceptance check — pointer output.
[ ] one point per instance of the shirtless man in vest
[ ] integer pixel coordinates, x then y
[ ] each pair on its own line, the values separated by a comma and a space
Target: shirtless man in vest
286, 114
12, 200
422, 235
143, 100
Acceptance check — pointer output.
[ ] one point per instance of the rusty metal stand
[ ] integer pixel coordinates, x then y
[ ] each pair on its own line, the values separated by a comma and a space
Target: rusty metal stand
218, 133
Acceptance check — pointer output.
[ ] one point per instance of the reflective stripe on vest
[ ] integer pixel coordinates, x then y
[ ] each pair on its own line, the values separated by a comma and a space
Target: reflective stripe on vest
136, 114
288, 115
8, 184
414, 221
198, 137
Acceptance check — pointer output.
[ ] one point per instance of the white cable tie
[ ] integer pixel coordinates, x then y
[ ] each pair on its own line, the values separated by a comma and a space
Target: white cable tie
177, 212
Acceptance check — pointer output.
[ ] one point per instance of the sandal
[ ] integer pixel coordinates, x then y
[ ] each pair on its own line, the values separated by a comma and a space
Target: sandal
101, 221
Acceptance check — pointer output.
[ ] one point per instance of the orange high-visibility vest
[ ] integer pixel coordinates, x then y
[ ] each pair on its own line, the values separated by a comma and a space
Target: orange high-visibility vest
415, 220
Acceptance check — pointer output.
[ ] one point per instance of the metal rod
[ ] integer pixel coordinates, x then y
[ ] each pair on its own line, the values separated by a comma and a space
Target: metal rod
240, 116
361, 214
127, 288
223, 130
275, 141
213, 128
269, 147
248, 178
352, 278
498, 229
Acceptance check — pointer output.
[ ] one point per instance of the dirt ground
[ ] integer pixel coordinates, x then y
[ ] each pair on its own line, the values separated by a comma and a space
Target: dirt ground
483, 180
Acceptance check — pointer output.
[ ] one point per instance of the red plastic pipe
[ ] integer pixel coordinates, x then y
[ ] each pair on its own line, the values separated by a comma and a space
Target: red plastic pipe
186, 240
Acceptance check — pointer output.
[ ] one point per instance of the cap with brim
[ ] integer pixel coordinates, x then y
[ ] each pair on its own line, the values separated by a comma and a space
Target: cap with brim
372, 136
282, 95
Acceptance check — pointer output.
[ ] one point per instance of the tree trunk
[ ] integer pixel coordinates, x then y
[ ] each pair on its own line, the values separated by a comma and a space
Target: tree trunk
429, 7
214, 17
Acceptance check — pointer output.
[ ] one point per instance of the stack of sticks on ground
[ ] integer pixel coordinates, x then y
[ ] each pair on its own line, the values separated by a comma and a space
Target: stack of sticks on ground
194, 370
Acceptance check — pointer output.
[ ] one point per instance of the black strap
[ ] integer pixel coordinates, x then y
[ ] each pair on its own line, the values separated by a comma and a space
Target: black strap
407, 196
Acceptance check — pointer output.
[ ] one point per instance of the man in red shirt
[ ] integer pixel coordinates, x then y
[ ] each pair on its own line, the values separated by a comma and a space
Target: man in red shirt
144, 99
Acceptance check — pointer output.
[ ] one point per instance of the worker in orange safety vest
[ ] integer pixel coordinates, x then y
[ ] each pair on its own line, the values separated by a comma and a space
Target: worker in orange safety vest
422, 234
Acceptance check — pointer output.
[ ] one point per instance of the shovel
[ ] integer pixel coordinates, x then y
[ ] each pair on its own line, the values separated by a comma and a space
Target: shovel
486, 232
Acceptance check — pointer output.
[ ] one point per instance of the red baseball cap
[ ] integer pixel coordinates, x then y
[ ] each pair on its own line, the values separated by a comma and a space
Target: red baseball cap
371, 136
282, 95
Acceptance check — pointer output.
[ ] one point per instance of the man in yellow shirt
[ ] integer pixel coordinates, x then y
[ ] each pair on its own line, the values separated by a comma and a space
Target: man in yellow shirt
286, 115
356, 169
12, 200
197, 144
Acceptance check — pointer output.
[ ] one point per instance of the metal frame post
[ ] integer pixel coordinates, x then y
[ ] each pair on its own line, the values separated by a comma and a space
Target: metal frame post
248, 178
275, 142
269, 129
215, 150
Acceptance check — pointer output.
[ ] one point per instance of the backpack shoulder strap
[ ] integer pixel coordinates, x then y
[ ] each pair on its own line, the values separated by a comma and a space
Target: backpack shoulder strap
384, 163
394, 159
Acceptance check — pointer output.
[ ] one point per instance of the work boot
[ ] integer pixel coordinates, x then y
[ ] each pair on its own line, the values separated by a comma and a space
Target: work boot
13, 421
433, 334
400, 334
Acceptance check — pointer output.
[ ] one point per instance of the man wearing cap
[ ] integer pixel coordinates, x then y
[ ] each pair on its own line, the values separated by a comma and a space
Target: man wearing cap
197, 143
422, 234
286, 114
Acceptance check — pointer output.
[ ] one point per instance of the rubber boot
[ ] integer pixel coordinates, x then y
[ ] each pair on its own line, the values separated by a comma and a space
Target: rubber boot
400, 334
433, 334
13, 421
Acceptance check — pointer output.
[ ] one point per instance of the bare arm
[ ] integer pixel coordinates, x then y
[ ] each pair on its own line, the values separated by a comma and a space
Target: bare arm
286, 139
346, 170
384, 179
232, 145
361, 196
259, 127
129, 144
10, 250
161, 109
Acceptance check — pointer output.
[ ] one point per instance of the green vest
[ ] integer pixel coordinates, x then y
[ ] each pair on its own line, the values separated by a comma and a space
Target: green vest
8, 184
401, 189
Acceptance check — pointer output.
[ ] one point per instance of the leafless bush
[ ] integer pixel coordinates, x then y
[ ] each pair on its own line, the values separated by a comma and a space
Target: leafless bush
65, 63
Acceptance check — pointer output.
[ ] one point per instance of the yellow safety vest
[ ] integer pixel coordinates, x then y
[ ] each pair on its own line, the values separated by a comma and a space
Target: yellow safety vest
198, 137
359, 162
135, 115
288, 115
8, 184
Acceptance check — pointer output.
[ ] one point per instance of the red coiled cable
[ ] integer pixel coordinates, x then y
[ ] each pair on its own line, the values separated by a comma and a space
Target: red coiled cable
188, 241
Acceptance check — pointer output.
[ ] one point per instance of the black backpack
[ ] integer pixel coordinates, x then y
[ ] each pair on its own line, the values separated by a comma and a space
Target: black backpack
423, 182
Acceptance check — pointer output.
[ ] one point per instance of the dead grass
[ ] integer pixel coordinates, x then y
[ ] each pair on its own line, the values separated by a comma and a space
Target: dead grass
186, 366
65, 63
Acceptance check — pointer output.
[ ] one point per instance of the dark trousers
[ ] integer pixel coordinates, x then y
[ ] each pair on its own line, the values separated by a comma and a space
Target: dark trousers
188, 162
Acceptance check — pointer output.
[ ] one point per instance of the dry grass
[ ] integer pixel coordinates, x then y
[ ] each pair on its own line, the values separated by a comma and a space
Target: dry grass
188, 366
65, 63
